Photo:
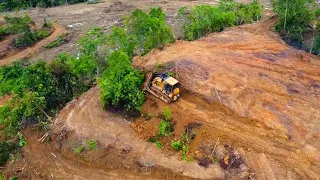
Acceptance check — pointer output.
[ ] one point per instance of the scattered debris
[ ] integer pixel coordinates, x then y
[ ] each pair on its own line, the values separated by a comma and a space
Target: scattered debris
119, 7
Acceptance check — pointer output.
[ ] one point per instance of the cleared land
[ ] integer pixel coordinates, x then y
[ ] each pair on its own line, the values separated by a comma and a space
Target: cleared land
245, 86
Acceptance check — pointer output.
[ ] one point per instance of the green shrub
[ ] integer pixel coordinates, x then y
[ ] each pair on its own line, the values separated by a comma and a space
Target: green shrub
316, 44
120, 84
165, 128
5, 150
167, 114
18, 24
247, 13
29, 38
79, 149
41, 34
150, 30
3, 32
22, 140
119, 39
177, 145
295, 18
25, 40
204, 19
61, 39
36, 89
159, 144
92, 145
11, 5
317, 12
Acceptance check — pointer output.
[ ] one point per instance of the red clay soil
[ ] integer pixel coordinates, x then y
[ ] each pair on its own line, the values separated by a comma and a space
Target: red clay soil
29, 52
85, 119
244, 85
249, 89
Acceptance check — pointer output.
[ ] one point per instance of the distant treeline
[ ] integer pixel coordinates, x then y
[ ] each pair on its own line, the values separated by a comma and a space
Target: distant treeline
11, 5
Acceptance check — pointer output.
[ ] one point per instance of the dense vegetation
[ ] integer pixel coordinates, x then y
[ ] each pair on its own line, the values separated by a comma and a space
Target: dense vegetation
120, 83
298, 18
21, 28
37, 91
203, 19
295, 18
11, 5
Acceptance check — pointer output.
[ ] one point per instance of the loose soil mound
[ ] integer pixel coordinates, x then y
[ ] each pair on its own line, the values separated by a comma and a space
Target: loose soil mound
119, 7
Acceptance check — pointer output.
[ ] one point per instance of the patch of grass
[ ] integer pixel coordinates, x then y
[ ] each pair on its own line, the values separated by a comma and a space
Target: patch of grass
61, 39
159, 144
13, 178
92, 145
79, 149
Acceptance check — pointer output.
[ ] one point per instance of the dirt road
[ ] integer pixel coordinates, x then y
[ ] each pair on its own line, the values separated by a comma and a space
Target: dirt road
29, 52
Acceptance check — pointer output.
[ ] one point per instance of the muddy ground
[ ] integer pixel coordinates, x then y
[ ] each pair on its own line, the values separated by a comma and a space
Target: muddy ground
245, 86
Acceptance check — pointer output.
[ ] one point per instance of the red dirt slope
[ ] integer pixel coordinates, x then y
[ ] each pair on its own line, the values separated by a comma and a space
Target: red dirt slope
268, 93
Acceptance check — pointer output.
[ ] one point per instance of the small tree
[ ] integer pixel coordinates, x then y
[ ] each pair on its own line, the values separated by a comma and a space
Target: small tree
121, 84
295, 18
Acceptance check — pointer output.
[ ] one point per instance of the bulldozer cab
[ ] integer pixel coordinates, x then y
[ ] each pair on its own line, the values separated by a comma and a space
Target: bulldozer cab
170, 84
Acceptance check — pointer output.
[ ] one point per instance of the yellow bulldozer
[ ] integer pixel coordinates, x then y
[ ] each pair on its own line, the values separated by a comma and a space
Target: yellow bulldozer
162, 86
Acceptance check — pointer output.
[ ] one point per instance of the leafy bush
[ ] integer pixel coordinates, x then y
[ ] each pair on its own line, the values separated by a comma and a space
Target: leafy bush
247, 13
22, 140
316, 44
92, 145
177, 145
18, 24
5, 150
159, 144
317, 12
3, 32
165, 128
61, 39
119, 39
295, 18
167, 114
79, 149
204, 19
36, 91
21, 26
25, 40
11, 5
120, 83
150, 30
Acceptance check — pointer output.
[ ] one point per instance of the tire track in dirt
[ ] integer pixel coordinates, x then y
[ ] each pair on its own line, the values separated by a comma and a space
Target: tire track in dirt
30, 51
